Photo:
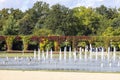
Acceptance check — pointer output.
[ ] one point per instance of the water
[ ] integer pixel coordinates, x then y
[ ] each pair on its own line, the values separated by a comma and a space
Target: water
70, 56
47, 54
114, 55
108, 54
85, 56
74, 55
80, 55
38, 54
90, 52
43, 55
102, 54
34, 54
72, 60
65, 54
60, 55
96, 54
51, 54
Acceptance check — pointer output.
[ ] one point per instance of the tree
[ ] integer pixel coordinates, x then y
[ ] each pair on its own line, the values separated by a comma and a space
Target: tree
109, 13
116, 22
10, 28
116, 32
4, 14
42, 32
25, 25
16, 13
60, 20
108, 32
89, 21
39, 13
107, 17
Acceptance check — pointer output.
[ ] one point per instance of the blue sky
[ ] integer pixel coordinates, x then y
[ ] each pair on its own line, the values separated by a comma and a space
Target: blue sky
25, 4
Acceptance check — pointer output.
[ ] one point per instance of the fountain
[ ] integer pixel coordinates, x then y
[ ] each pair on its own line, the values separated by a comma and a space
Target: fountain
80, 55
101, 65
15, 58
38, 54
85, 56
96, 54
34, 54
74, 55
43, 56
110, 64
118, 64
70, 54
90, 52
108, 54
94, 64
114, 55
60, 55
7, 58
102, 54
47, 54
65, 54
51, 54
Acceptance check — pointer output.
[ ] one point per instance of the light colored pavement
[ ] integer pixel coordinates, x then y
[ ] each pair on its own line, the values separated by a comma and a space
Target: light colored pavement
46, 75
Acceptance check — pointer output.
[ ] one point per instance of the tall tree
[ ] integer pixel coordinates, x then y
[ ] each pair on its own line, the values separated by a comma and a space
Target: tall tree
116, 22
39, 13
25, 25
88, 20
10, 28
109, 13
4, 14
16, 13
60, 20
108, 32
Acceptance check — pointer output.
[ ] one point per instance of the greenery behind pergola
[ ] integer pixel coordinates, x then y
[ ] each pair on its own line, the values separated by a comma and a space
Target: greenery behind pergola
26, 43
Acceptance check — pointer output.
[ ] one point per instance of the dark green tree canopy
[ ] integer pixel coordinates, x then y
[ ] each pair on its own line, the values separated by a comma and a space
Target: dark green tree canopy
45, 20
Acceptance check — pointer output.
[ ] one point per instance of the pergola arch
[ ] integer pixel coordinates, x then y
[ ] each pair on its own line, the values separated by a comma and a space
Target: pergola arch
57, 40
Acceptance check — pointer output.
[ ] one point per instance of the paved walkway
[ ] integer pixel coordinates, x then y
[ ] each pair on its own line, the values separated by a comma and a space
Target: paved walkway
45, 75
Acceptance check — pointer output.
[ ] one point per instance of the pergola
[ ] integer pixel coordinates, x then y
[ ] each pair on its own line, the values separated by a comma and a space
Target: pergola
106, 40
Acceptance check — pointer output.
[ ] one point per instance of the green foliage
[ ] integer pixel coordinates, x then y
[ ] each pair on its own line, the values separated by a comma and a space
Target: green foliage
49, 45
88, 20
43, 43
116, 22
60, 20
46, 44
10, 28
25, 25
2, 46
26, 40
16, 13
42, 32
82, 44
66, 43
98, 44
109, 13
116, 32
9, 42
39, 13
108, 32
43, 20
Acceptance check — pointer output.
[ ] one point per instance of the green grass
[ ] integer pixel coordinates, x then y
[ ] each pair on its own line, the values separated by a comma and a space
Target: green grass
4, 54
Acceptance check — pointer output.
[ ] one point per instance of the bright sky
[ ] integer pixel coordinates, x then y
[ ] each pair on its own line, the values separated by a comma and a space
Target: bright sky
25, 4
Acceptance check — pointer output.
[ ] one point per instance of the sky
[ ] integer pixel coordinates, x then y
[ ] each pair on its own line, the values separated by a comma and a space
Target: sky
26, 4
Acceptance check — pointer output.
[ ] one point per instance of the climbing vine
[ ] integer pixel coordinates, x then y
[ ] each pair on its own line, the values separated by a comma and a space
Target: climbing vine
9, 42
26, 40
